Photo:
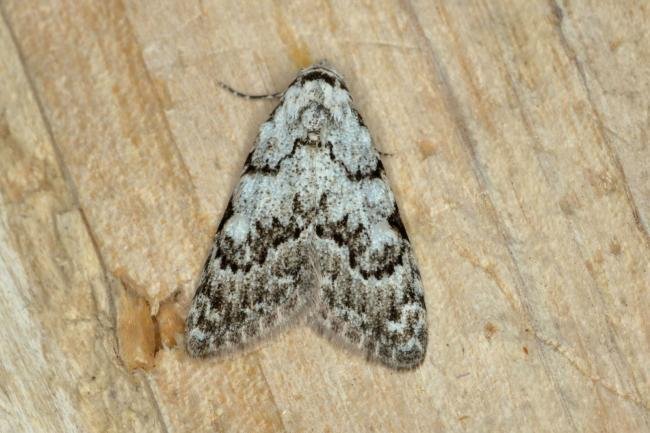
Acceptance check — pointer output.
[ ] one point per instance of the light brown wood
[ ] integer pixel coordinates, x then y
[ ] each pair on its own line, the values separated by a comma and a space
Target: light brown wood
519, 139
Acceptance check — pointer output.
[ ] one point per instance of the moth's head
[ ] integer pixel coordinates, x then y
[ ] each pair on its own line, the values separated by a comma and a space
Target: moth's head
321, 71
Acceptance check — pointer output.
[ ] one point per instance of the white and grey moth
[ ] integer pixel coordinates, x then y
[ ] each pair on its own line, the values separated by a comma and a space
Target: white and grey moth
312, 234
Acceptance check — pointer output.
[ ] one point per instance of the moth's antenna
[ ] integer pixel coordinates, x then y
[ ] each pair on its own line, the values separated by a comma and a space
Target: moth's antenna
277, 95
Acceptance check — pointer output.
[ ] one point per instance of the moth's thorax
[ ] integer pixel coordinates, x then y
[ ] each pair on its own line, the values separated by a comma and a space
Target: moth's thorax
314, 117
316, 106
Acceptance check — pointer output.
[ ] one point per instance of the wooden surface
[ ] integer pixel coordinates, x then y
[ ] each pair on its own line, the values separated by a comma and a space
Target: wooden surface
520, 160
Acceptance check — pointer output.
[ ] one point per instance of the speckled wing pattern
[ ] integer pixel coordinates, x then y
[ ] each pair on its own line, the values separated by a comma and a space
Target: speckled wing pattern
312, 233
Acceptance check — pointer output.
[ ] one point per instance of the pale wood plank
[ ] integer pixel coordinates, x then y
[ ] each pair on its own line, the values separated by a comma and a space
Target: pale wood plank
59, 368
519, 162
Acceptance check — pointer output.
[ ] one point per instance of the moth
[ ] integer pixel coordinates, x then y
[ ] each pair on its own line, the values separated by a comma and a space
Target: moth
312, 235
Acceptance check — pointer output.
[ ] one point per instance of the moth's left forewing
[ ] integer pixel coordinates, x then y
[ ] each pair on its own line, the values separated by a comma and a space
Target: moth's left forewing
254, 281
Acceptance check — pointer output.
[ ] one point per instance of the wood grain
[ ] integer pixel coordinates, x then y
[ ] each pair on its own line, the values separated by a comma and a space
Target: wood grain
519, 139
